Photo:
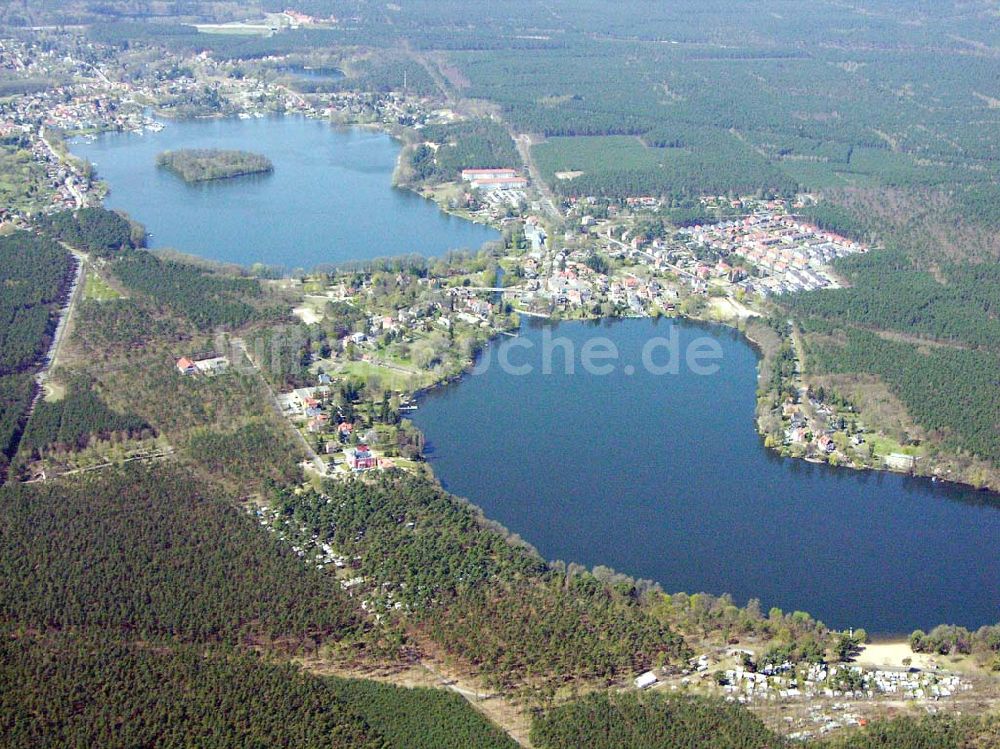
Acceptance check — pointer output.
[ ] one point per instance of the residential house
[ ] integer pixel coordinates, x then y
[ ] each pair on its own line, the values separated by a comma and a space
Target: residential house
360, 458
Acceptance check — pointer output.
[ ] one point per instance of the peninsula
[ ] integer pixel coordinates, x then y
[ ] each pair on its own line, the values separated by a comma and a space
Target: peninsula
205, 165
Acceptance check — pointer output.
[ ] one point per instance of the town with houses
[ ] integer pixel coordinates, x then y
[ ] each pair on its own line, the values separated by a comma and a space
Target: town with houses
594, 259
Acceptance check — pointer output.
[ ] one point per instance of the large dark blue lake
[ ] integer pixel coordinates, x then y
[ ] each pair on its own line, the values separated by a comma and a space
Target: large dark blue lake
330, 198
664, 477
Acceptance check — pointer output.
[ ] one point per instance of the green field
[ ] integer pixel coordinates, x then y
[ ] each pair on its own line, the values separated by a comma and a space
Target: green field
96, 288
390, 379
595, 154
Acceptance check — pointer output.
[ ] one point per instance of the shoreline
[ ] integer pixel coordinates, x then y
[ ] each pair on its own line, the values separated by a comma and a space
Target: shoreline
732, 323
456, 378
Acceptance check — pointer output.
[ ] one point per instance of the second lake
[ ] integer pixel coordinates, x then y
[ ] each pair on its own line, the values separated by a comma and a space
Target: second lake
329, 200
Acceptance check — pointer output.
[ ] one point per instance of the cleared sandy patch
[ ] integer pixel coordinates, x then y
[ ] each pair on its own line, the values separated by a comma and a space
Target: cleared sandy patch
892, 654
729, 309
307, 315
568, 175
54, 392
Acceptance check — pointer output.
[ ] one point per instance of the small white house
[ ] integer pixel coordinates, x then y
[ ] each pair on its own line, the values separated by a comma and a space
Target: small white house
646, 680
213, 365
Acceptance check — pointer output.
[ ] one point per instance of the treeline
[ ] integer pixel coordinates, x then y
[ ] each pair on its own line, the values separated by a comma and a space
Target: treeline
144, 553
16, 393
796, 633
95, 230
420, 718
75, 420
652, 720
475, 144
981, 204
384, 72
838, 219
472, 591
248, 455
927, 732
35, 275
205, 298
552, 629
72, 689
946, 639
951, 392
203, 165
120, 324
888, 292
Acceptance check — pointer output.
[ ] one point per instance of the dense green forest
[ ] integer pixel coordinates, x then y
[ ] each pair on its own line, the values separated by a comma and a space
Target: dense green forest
128, 603
93, 690
476, 144
472, 591
888, 292
16, 393
650, 721
207, 299
203, 165
615, 166
95, 230
388, 71
71, 689
146, 552
35, 275
73, 421
659, 721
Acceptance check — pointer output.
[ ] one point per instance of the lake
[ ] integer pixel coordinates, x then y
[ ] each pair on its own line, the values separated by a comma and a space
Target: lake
663, 476
330, 198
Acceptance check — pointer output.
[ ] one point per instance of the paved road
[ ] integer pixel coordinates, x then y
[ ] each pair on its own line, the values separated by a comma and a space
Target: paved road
52, 355
318, 463
548, 202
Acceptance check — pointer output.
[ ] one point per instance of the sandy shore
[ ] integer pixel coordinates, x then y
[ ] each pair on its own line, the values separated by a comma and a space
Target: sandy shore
892, 654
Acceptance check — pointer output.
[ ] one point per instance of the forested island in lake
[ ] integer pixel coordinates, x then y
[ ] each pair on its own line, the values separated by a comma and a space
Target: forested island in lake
208, 164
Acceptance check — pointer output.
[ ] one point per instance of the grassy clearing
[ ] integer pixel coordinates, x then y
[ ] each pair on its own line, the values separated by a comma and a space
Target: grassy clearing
886, 446
389, 378
96, 288
54, 392
392, 379
594, 154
